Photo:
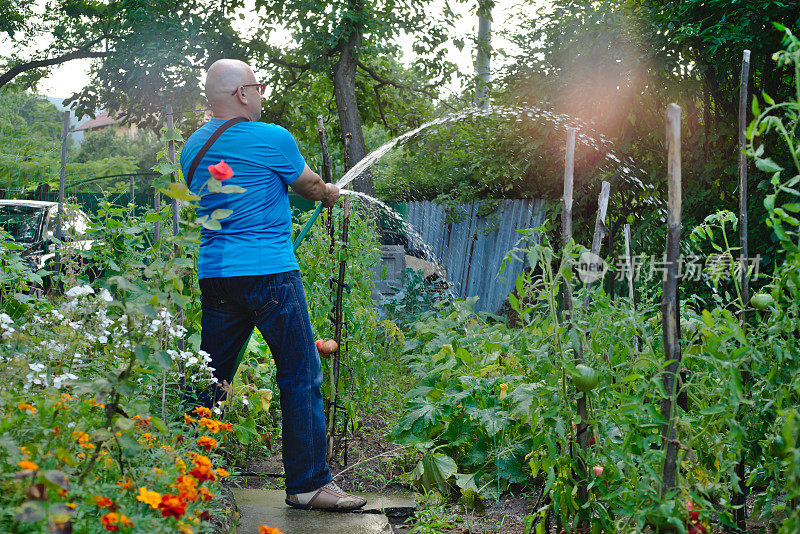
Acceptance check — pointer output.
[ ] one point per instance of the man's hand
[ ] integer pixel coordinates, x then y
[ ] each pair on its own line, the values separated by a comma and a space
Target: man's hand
311, 187
332, 195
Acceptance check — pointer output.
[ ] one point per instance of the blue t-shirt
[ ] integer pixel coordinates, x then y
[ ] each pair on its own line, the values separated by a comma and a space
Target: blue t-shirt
257, 238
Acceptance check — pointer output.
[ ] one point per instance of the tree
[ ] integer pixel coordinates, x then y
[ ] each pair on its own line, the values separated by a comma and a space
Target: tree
346, 38
149, 52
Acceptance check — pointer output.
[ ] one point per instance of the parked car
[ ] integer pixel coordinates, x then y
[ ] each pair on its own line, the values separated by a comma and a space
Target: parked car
32, 224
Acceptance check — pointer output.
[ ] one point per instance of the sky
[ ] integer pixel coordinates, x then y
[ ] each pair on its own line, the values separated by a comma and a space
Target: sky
72, 76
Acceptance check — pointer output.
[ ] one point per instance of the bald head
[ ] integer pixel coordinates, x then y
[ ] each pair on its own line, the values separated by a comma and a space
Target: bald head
224, 76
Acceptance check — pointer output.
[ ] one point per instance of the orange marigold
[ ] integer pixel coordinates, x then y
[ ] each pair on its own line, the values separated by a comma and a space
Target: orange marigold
202, 468
181, 465
187, 420
150, 498
26, 406
70, 505
125, 484
206, 442
187, 488
172, 506
202, 411
27, 464
102, 502
205, 494
226, 426
221, 472
211, 424
264, 529
112, 521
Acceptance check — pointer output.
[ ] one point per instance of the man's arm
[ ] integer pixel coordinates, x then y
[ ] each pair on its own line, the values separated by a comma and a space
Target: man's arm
311, 187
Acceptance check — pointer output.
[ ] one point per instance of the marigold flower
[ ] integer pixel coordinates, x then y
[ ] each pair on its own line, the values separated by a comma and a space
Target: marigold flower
205, 494
125, 484
25, 406
211, 424
112, 521
150, 498
56, 430
202, 411
187, 420
25, 451
141, 421
187, 488
221, 472
264, 529
172, 506
27, 464
102, 502
206, 442
181, 465
202, 468
220, 171
226, 426
70, 505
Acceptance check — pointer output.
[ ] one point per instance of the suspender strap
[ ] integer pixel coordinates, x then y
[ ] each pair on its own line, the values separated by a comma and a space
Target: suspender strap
196, 161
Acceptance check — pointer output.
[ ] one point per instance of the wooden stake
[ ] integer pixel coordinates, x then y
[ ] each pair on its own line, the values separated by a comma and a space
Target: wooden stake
669, 300
130, 192
739, 497
62, 174
599, 233
629, 263
157, 209
566, 207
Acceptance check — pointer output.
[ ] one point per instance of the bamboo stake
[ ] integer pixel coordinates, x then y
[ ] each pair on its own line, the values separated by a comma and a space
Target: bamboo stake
62, 174
130, 193
669, 300
739, 497
599, 233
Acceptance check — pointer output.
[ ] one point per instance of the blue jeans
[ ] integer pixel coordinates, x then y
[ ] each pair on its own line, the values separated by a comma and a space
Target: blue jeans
276, 305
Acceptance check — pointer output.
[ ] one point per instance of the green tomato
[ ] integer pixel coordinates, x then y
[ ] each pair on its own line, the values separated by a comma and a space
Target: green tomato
762, 301
585, 378
777, 448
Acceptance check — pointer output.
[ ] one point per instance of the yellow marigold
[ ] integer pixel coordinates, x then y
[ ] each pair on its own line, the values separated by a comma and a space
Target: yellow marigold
181, 465
70, 505
206, 442
202, 411
264, 529
211, 424
66, 396
188, 420
26, 406
157, 471
150, 498
27, 464
25, 451
221, 472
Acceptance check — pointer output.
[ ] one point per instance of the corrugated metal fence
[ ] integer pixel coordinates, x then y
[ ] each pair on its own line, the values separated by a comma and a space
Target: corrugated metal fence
472, 247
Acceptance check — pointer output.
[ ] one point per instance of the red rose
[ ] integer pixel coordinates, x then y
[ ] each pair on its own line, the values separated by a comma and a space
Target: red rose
220, 171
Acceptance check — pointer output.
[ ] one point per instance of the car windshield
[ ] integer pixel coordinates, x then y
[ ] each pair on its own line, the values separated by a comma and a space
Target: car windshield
22, 222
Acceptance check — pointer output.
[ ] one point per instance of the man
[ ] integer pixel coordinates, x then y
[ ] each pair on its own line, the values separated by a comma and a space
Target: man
249, 275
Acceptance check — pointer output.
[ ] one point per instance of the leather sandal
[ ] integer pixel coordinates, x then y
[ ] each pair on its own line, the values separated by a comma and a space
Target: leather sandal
330, 498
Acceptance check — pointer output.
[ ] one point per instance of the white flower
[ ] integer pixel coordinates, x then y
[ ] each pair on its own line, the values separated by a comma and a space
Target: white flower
5, 319
245, 401
79, 291
103, 340
105, 296
192, 361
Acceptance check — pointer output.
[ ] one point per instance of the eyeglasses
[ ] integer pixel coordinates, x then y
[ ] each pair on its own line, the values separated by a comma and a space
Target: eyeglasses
262, 87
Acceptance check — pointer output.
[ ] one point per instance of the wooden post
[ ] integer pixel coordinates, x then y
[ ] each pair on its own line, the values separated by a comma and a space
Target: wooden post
566, 206
599, 233
629, 263
62, 174
171, 154
327, 175
739, 497
669, 300
338, 314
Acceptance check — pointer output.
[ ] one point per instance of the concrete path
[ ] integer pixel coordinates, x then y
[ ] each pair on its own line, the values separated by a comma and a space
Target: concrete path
267, 507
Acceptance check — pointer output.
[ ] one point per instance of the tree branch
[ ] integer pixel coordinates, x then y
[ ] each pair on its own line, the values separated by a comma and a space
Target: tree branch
386, 81
81, 53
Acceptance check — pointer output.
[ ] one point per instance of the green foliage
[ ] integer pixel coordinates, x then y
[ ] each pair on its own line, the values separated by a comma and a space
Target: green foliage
411, 299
